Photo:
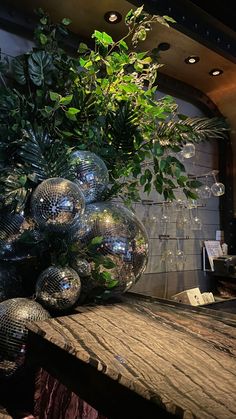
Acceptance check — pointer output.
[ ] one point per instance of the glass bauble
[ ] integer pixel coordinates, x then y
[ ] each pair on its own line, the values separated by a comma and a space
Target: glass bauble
124, 241
15, 314
58, 288
188, 150
218, 189
91, 174
10, 283
19, 237
57, 204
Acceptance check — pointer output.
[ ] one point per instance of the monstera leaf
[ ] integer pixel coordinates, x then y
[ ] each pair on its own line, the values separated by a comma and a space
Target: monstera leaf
18, 67
40, 68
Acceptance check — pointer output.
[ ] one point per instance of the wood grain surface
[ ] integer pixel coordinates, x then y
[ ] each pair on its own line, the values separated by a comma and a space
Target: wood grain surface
179, 359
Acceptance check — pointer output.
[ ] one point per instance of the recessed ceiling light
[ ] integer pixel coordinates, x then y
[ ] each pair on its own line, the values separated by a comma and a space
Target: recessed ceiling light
113, 17
163, 46
193, 59
215, 72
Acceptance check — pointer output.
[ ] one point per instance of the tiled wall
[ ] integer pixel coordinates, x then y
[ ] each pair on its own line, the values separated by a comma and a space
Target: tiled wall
163, 273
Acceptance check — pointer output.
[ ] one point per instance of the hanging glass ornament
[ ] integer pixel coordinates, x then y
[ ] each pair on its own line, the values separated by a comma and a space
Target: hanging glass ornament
188, 150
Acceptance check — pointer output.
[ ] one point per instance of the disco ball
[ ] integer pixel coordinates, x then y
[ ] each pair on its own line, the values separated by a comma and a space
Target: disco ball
57, 204
81, 266
14, 316
58, 288
124, 241
91, 173
13, 228
10, 283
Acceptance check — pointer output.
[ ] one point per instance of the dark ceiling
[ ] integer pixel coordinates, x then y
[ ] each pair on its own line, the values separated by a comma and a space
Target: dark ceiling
224, 11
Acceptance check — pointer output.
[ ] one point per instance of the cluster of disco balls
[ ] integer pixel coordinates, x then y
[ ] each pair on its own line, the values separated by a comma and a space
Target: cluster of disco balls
75, 211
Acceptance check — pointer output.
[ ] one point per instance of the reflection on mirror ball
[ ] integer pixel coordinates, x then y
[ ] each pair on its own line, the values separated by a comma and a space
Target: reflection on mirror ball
13, 246
58, 288
91, 173
14, 315
124, 240
57, 204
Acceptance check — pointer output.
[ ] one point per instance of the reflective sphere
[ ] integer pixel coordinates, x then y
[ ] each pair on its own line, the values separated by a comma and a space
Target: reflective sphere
124, 241
13, 243
81, 266
218, 189
91, 173
57, 204
10, 283
14, 315
58, 288
188, 150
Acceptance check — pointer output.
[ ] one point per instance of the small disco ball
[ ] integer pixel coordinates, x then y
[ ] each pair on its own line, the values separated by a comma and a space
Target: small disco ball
14, 317
91, 174
81, 266
57, 204
58, 288
13, 228
10, 283
124, 241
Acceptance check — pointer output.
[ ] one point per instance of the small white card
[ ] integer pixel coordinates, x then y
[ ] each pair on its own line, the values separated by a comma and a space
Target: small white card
214, 250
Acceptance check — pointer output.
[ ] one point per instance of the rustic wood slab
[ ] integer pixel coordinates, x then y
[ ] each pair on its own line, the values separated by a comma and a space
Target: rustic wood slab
174, 360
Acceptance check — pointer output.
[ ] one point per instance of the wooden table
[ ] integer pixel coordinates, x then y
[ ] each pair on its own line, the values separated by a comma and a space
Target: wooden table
140, 358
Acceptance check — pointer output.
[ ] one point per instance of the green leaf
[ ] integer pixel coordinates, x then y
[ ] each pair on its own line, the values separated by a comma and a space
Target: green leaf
108, 263
82, 48
40, 68
97, 240
55, 97
66, 21
19, 69
169, 19
158, 150
123, 45
43, 39
112, 284
66, 100
142, 180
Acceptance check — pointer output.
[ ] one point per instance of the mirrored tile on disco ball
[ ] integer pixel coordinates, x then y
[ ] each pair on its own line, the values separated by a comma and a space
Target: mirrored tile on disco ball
91, 174
15, 313
124, 240
58, 288
57, 204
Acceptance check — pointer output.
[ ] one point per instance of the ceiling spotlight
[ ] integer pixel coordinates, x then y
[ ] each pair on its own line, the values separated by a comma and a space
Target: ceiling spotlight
193, 59
113, 17
215, 72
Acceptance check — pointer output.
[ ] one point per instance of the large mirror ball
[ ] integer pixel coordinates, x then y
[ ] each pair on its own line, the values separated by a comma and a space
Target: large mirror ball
91, 174
14, 316
124, 240
57, 204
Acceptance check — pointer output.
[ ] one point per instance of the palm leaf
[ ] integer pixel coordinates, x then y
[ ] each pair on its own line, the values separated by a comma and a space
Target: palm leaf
122, 127
13, 188
44, 157
191, 129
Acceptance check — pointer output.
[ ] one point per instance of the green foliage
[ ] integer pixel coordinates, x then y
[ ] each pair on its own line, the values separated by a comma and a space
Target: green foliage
102, 99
